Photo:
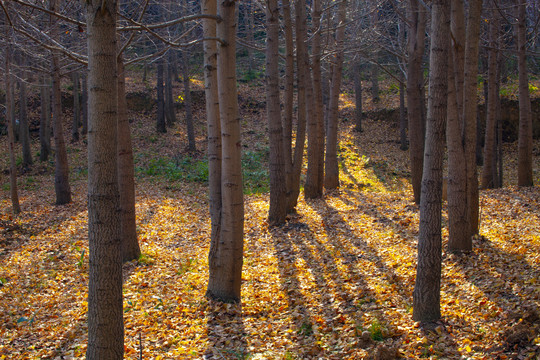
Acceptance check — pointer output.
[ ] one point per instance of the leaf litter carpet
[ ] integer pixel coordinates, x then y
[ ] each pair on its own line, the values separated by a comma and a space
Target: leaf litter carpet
335, 282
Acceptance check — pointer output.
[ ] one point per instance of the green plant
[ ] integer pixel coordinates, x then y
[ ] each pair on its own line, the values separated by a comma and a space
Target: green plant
306, 329
254, 171
80, 261
145, 259
376, 330
185, 267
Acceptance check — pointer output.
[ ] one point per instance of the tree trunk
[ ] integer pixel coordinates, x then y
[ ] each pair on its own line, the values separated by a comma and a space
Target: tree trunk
470, 104
331, 179
170, 115
9, 122
303, 99
278, 197
313, 186
489, 172
61, 171
214, 127
415, 103
45, 121
226, 255
288, 101
24, 130
358, 96
161, 124
76, 108
525, 173
426, 295
105, 316
187, 102
126, 173
403, 143
84, 129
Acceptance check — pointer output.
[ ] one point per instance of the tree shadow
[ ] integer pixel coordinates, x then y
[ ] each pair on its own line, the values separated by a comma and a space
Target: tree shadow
503, 278
226, 333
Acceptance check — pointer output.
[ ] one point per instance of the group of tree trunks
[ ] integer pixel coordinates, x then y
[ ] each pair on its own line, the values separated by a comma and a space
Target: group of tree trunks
451, 112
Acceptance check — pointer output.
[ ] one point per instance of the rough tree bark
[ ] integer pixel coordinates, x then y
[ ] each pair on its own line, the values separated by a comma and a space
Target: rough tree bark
303, 96
61, 171
278, 199
226, 255
426, 295
315, 116
126, 173
213, 123
415, 93
331, 174
105, 316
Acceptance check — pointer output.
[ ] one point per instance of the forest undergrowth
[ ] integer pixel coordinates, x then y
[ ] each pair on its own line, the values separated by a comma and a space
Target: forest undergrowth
335, 282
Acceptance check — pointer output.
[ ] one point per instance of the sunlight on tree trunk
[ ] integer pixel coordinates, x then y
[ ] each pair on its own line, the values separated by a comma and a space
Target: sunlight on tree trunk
426, 296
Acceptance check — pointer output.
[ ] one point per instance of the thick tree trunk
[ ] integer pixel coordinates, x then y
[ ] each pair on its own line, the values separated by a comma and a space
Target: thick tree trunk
76, 108
303, 99
278, 198
314, 178
525, 173
9, 122
426, 295
161, 125
214, 126
187, 102
126, 173
415, 103
358, 96
105, 316
24, 130
331, 176
470, 104
226, 255
45, 121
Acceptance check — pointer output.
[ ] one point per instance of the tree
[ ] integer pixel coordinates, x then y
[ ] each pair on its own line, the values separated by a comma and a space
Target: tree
315, 113
278, 198
105, 316
426, 296
489, 172
415, 93
76, 108
331, 179
24, 130
126, 172
45, 121
161, 124
525, 173
461, 134
9, 121
61, 171
226, 249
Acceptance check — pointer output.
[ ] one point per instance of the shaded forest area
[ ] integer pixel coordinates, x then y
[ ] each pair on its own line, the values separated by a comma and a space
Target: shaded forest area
335, 282
270, 179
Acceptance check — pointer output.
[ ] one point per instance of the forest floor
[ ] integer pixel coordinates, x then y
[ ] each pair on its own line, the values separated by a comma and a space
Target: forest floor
335, 282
